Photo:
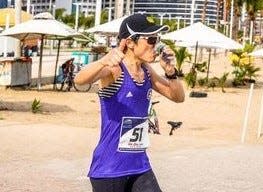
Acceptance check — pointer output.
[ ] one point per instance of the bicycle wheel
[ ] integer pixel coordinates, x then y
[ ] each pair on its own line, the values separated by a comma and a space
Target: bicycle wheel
82, 88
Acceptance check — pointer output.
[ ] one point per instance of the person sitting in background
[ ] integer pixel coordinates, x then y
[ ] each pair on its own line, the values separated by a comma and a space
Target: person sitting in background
68, 67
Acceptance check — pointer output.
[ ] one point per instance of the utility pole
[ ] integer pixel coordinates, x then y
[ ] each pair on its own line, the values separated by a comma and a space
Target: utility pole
50, 6
231, 19
52, 41
192, 12
28, 6
161, 17
98, 12
178, 22
118, 9
17, 21
133, 4
109, 12
7, 21
33, 10
77, 16
128, 4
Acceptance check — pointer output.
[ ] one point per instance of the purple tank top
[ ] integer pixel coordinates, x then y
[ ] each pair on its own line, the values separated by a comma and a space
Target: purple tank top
123, 139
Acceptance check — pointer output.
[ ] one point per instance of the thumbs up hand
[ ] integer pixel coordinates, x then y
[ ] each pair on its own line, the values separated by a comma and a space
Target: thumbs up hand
115, 56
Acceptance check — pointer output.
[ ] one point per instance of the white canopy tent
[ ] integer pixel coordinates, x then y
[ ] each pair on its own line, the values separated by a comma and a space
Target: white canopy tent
199, 35
257, 53
43, 26
205, 37
111, 27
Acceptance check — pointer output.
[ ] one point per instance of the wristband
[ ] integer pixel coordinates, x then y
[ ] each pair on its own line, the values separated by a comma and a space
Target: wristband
173, 76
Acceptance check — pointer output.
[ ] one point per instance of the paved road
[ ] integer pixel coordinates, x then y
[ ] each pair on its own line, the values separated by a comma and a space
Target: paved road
45, 158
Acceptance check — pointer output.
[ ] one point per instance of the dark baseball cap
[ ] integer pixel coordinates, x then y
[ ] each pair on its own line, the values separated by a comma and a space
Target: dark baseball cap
138, 24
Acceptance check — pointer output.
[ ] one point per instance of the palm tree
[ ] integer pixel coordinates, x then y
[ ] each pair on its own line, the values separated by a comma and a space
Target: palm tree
204, 11
219, 2
252, 7
237, 13
181, 55
238, 4
260, 22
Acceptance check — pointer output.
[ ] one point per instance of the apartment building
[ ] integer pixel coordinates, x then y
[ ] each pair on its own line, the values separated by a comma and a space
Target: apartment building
38, 6
3, 4
172, 9
88, 7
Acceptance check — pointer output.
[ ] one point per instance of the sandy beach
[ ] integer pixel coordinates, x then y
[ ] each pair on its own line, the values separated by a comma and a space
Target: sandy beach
51, 150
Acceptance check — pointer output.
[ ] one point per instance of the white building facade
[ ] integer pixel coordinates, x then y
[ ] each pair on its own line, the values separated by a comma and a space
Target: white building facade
172, 9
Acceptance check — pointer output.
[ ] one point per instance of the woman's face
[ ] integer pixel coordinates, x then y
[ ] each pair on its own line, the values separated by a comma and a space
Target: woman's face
145, 48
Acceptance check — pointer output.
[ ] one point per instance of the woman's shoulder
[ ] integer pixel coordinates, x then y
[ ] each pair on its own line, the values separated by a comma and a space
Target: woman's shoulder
115, 74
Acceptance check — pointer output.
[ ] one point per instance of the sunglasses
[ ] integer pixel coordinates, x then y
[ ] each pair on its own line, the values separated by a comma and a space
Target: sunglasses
151, 40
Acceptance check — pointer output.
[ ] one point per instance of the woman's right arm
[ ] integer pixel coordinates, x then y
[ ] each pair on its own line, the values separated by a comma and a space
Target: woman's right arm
92, 72
103, 68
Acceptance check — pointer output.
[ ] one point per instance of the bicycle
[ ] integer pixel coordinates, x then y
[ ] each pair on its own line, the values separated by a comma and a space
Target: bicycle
69, 70
152, 119
154, 123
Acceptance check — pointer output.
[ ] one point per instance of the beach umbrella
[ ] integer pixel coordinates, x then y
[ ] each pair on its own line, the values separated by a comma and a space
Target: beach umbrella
257, 53
205, 37
111, 27
199, 35
43, 26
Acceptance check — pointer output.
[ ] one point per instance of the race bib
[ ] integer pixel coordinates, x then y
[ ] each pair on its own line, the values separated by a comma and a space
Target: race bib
134, 134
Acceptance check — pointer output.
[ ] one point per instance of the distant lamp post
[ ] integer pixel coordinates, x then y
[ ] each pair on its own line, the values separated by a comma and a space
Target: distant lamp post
50, 6
54, 10
18, 5
225, 24
77, 15
192, 12
28, 6
98, 12
208, 21
7, 21
161, 17
109, 12
33, 10
231, 19
52, 41
170, 16
178, 22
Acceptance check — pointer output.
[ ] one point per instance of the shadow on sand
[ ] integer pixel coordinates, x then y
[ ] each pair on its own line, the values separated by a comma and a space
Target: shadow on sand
25, 106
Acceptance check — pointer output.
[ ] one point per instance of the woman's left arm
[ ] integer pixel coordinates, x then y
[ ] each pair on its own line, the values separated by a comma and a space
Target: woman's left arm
169, 87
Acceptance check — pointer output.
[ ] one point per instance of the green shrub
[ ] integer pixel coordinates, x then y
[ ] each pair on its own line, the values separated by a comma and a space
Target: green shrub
202, 81
190, 78
36, 106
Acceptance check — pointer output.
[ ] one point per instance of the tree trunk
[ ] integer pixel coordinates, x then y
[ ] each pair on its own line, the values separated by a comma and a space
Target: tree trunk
217, 13
235, 26
204, 11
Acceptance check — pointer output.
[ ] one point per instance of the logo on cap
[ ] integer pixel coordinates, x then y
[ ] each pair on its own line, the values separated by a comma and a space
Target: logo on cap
150, 20
130, 30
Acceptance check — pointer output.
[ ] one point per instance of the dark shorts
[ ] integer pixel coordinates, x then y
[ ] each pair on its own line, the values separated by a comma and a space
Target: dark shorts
145, 182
